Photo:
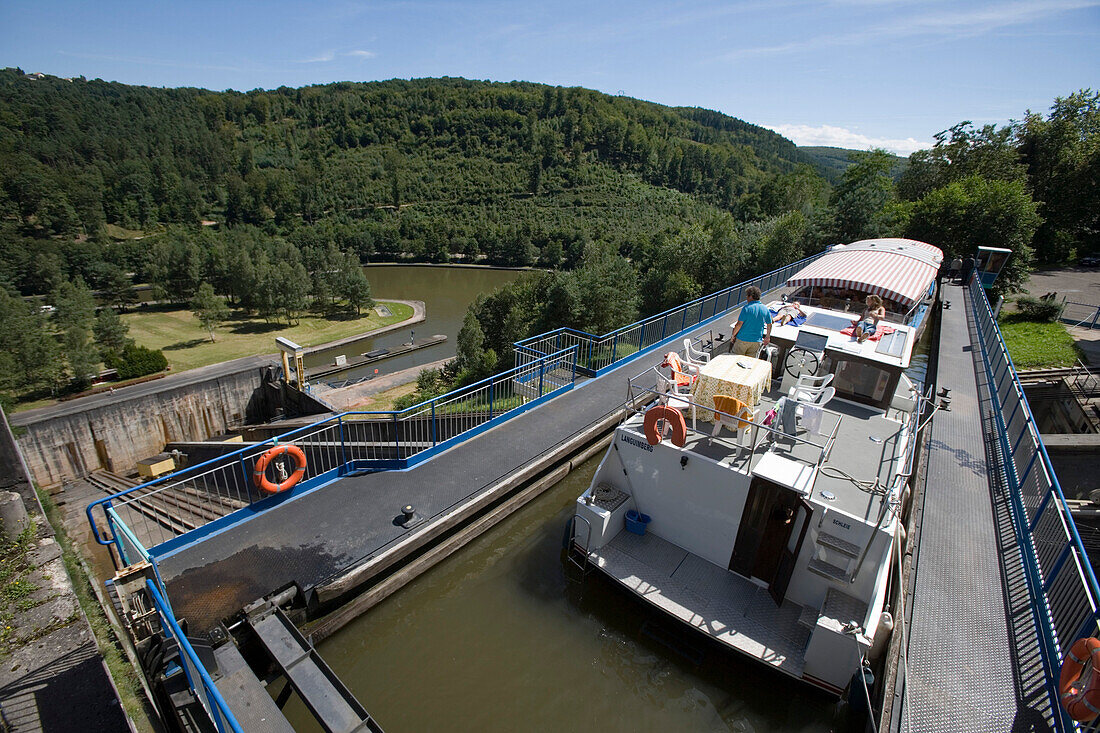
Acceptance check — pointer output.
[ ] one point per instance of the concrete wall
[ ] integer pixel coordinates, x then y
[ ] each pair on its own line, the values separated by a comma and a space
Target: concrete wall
116, 436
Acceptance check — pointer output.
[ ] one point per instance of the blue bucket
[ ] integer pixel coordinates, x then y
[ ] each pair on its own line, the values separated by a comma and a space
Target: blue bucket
636, 522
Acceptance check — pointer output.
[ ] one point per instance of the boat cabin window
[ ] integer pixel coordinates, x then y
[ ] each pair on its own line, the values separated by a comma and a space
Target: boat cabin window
859, 380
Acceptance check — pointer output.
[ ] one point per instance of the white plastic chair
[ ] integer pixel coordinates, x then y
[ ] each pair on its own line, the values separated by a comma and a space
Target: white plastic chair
675, 393
820, 399
737, 425
808, 388
694, 356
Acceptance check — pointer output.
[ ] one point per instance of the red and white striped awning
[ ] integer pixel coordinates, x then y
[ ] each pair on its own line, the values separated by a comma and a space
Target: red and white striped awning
898, 269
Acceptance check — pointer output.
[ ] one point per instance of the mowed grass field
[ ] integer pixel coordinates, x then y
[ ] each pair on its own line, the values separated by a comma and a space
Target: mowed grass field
1037, 344
187, 344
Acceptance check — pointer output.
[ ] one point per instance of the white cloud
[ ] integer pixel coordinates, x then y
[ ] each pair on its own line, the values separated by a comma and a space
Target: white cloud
361, 54
840, 137
319, 59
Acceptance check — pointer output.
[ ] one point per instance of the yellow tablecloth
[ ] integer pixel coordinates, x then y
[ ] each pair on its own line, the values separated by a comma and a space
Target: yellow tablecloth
737, 376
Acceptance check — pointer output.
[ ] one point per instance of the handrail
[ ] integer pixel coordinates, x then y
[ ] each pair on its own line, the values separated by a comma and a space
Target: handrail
234, 462
225, 716
767, 281
1044, 559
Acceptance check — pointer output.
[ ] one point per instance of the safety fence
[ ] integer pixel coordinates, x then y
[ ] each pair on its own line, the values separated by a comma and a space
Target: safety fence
184, 506
1065, 598
597, 354
1080, 314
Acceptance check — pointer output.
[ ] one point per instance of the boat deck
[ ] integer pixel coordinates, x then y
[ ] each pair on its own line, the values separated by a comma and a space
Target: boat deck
864, 448
972, 658
721, 604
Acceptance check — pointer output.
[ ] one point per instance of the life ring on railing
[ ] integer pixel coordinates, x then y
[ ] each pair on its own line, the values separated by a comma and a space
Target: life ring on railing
671, 418
259, 475
1079, 682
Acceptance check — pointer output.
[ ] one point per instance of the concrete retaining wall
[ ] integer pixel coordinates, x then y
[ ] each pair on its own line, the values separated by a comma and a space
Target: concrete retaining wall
117, 435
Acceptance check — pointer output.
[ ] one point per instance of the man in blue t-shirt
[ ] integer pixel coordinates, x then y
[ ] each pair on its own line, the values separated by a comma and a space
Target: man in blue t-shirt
753, 328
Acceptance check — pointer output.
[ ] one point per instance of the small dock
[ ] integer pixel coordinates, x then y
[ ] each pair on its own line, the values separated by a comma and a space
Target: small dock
374, 356
972, 664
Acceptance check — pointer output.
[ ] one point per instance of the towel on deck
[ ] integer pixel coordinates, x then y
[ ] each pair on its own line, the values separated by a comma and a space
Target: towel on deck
811, 418
679, 376
732, 406
879, 332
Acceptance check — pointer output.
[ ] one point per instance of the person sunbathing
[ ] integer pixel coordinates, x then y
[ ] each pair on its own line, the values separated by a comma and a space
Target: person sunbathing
867, 323
788, 313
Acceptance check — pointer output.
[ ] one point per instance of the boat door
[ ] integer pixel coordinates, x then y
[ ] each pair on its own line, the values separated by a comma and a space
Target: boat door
765, 530
800, 523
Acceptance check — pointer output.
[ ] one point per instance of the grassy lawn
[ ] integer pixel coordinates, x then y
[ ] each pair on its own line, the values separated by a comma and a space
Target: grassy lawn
187, 344
1037, 344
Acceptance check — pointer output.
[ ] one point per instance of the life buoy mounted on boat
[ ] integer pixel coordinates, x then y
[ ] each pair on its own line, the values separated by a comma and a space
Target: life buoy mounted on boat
661, 417
259, 475
1079, 682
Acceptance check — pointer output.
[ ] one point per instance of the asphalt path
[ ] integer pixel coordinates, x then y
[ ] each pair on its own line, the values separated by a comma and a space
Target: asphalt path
134, 391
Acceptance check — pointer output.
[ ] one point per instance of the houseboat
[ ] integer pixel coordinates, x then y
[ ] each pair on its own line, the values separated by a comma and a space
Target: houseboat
759, 501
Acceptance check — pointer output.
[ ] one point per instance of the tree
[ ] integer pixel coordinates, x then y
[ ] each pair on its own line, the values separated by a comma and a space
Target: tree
110, 332
608, 289
860, 199
209, 308
472, 360
32, 352
975, 212
1062, 154
357, 290
75, 305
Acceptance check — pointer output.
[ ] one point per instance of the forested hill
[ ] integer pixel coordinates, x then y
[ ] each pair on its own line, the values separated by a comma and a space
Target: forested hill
472, 160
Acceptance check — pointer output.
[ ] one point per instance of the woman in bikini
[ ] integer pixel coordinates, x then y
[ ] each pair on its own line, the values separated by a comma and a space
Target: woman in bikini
867, 324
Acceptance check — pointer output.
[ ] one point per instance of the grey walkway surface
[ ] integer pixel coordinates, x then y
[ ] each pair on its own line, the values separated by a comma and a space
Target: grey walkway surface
971, 647
323, 533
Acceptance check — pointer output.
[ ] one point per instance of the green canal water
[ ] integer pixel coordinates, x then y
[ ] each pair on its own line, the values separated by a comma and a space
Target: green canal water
495, 638
446, 291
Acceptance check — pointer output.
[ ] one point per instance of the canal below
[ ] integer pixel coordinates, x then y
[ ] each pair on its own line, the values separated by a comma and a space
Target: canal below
495, 638
446, 291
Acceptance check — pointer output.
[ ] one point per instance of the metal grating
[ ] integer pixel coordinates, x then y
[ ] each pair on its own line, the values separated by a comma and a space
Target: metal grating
960, 676
609, 498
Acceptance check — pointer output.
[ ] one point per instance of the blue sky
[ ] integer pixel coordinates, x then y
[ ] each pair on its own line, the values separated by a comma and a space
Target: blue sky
853, 73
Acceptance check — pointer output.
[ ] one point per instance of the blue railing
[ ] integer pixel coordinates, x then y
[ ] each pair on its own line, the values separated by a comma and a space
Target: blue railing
198, 679
1065, 598
185, 506
598, 354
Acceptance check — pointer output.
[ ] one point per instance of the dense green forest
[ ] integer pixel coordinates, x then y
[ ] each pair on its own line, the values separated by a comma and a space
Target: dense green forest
104, 185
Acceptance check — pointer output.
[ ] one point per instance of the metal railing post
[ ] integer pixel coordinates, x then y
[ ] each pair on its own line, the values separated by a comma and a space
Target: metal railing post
396, 439
435, 434
247, 481
343, 446
542, 373
614, 348
491, 384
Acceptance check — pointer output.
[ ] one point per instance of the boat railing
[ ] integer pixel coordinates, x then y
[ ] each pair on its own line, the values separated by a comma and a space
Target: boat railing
599, 353
641, 396
189, 504
1065, 597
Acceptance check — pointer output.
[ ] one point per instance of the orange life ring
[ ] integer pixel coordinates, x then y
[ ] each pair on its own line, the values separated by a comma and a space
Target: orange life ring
1079, 682
259, 475
672, 418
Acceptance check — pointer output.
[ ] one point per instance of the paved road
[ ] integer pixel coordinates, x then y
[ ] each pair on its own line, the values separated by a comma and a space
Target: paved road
120, 394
